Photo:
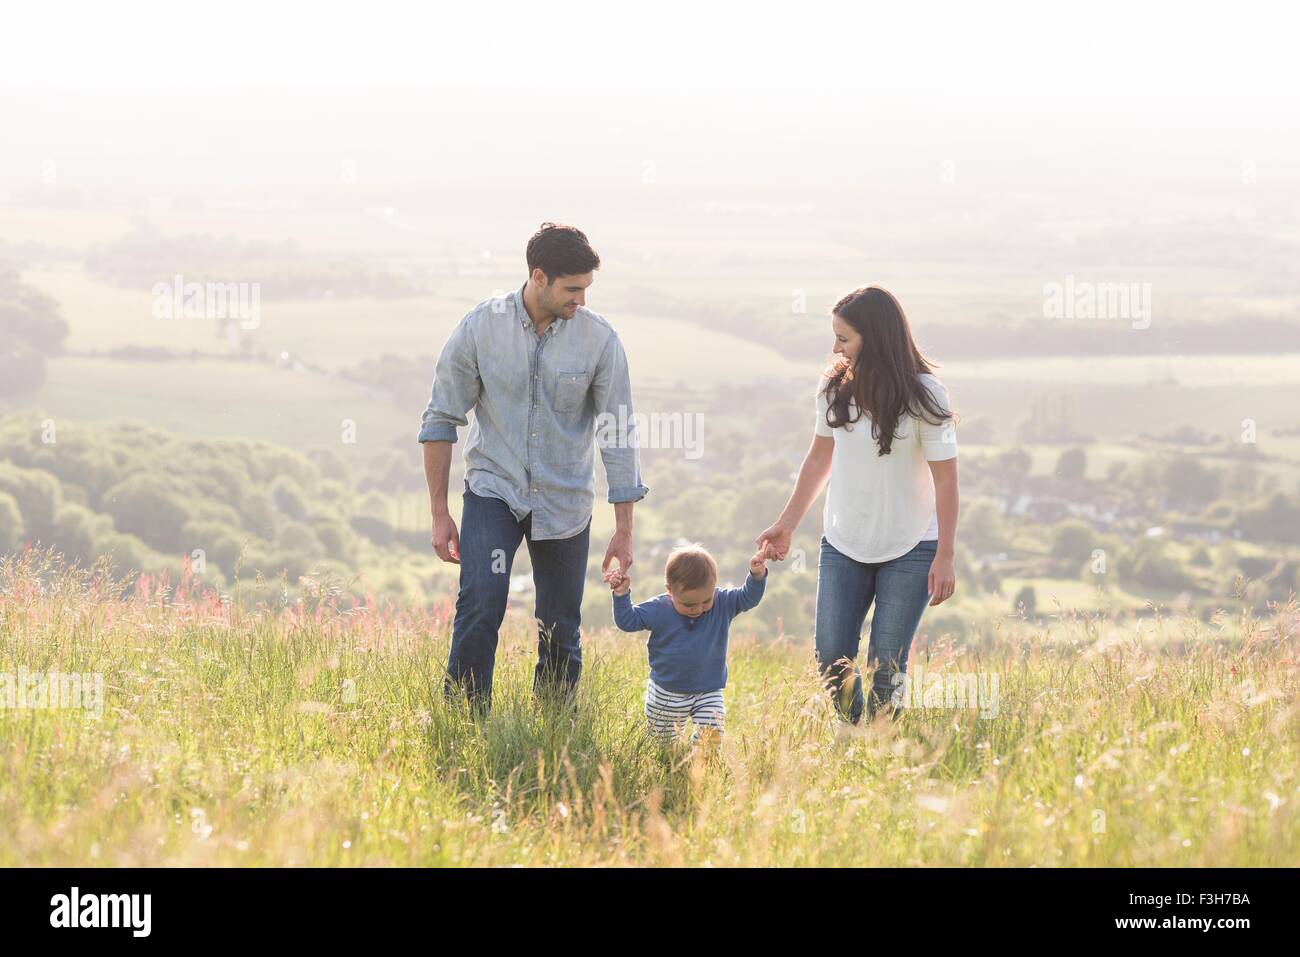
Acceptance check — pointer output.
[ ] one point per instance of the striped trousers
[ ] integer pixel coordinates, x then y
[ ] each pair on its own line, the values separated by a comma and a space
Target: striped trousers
666, 711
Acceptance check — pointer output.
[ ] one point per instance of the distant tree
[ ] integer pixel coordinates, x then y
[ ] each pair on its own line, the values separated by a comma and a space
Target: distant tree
1150, 566
982, 524
1275, 520
1241, 481
392, 471
330, 463
1220, 510
78, 531
12, 529
1189, 484
288, 497
299, 539
38, 496
1072, 465
30, 329
335, 537
150, 507
127, 552
221, 543
375, 529
259, 513
1014, 461
1026, 599
1073, 542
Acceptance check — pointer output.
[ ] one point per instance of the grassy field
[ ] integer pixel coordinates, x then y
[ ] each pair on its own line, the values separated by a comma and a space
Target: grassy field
1113, 399
306, 735
336, 334
218, 397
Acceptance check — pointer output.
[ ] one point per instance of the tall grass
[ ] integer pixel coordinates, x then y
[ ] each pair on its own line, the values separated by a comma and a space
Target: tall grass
313, 735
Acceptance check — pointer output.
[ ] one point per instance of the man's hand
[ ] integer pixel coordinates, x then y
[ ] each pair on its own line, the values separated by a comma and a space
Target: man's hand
446, 540
943, 579
620, 547
775, 541
758, 564
619, 582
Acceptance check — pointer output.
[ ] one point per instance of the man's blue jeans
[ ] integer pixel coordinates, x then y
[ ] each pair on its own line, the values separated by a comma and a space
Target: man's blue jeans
845, 590
489, 538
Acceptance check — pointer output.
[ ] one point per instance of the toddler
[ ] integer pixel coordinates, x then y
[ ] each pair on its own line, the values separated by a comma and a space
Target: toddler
688, 627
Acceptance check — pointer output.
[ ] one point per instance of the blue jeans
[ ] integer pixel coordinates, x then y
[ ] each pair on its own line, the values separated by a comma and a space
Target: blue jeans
845, 590
489, 538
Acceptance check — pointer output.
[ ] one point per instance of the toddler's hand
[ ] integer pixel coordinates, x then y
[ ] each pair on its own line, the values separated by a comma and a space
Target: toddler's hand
619, 582
758, 564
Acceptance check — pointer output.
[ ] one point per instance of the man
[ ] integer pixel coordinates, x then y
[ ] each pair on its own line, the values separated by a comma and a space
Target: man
537, 367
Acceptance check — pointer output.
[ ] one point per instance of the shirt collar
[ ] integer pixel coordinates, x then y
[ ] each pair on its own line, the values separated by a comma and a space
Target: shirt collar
526, 320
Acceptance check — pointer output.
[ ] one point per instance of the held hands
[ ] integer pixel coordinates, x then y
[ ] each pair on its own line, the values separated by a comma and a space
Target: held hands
619, 550
619, 582
774, 542
758, 564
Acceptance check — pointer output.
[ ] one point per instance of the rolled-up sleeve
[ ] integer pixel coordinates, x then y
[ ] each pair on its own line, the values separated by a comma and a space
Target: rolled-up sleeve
820, 425
938, 441
612, 394
456, 386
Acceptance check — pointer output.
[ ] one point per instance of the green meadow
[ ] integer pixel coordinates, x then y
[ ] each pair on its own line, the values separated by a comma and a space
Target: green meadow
303, 734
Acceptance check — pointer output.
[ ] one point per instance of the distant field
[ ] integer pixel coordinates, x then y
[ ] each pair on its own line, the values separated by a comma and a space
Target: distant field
215, 397
69, 227
1110, 412
1188, 371
1101, 456
1069, 594
732, 263
338, 333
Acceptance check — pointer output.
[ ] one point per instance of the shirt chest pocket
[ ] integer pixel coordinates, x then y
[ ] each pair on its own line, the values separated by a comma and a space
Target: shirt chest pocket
571, 390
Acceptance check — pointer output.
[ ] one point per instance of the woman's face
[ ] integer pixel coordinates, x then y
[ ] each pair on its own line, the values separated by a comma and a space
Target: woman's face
847, 341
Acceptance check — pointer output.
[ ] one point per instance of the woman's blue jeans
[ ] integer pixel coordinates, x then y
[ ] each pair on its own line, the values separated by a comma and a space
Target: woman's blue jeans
846, 589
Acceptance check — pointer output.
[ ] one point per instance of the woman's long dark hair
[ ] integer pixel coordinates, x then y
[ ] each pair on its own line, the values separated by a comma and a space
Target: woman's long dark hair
883, 382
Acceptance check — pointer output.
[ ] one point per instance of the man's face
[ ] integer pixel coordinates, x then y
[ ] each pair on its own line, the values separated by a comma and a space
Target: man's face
562, 296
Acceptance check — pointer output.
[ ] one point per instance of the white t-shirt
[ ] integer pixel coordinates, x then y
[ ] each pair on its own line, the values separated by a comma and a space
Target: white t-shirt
879, 507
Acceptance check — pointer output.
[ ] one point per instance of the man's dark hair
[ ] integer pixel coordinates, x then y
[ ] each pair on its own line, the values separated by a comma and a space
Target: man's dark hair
560, 250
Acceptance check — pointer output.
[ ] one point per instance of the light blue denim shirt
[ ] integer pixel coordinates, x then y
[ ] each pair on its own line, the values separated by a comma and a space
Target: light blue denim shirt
535, 401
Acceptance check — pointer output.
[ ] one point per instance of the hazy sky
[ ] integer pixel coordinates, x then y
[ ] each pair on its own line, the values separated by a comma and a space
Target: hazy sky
238, 92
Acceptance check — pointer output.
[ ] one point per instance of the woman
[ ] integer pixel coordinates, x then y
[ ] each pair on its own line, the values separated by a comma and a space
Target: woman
885, 439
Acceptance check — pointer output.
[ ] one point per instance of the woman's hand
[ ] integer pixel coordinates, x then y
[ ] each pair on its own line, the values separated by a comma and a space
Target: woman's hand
943, 579
775, 541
